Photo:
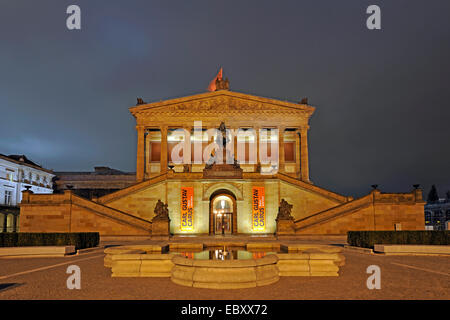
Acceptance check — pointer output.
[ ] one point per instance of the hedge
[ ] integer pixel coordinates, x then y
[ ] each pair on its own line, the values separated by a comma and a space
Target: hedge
80, 240
367, 239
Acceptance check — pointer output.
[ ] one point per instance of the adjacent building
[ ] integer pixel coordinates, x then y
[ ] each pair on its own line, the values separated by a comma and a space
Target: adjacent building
17, 173
94, 184
437, 215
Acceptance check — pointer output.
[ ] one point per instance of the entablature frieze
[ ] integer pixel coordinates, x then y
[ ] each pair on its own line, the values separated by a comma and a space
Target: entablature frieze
238, 111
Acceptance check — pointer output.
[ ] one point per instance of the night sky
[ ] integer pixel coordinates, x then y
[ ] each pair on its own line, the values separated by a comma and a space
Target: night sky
382, 97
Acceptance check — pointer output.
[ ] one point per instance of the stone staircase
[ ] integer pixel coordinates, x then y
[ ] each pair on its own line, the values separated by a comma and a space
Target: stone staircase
312, 188
111, 213
131, 189
336, 212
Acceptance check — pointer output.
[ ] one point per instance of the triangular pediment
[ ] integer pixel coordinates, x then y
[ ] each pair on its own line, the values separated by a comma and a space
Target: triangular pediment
222, 101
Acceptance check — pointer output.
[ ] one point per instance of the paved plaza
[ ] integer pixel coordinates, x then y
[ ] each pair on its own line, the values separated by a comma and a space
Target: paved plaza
402, 277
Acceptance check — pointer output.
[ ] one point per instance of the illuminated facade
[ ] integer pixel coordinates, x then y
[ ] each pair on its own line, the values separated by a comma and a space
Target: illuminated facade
222, 161
16, 172
265, 137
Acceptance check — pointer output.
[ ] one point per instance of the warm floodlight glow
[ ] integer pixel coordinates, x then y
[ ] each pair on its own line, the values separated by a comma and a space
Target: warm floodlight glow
258, 209
187, 209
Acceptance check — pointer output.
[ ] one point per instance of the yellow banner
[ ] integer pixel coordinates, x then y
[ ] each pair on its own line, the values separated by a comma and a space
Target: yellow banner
258, 209
187, 209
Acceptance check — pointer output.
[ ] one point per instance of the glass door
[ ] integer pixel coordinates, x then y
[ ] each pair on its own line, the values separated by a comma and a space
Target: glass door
223, 215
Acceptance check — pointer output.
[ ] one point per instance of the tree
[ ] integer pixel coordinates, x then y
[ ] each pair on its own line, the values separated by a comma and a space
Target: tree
433, 195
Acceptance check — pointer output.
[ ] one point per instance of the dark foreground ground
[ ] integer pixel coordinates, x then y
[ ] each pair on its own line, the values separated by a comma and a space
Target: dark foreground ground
402, 277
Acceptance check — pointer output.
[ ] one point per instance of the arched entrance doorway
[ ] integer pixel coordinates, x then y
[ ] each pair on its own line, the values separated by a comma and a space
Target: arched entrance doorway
222, 213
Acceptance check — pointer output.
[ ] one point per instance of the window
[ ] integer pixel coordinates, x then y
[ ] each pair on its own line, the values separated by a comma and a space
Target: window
8, 197
289, 151
428, 215
155, 148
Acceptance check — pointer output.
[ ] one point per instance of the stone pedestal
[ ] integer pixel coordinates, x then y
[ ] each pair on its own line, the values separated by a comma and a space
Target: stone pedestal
220, 171
285, 227
160, 229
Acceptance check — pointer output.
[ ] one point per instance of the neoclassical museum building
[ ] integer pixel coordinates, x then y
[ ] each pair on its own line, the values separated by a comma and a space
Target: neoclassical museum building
221, 162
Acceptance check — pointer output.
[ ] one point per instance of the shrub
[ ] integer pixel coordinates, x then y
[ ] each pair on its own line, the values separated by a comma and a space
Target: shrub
367, 239
80, 240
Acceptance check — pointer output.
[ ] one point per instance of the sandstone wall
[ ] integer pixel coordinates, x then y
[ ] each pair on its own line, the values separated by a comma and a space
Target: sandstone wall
129, 211
382, 212
66, 213
305, 202
142, 202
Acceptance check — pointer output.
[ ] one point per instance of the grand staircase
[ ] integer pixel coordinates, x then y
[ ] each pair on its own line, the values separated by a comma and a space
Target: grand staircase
131, 189
312, 188
114, 214
339, 211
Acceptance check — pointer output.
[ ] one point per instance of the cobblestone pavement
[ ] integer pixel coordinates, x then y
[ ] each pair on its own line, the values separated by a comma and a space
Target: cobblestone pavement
402, 277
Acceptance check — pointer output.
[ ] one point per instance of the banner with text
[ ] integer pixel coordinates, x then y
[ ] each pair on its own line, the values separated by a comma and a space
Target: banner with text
258, 209
187, 209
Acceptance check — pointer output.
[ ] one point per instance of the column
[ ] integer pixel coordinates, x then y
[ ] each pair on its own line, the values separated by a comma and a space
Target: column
148, 155
258, 161
187, 145
198, 143
14, 226
304, 165
140, 153
163, 157
234, 215
297, 153
4, 221
235, 150
281, 149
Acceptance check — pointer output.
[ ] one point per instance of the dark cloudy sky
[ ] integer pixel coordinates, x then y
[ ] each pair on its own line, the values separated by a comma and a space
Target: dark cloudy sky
382, 97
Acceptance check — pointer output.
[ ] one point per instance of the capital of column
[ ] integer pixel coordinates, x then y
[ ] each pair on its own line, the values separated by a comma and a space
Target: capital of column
303, 129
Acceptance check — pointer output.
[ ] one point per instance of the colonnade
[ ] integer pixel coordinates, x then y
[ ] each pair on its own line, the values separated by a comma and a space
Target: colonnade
301, 148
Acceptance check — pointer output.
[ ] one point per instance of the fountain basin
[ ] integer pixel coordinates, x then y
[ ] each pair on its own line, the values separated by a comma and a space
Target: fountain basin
225, 274
251, 265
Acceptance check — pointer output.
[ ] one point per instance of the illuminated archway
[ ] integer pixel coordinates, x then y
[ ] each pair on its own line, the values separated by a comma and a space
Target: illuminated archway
222, 212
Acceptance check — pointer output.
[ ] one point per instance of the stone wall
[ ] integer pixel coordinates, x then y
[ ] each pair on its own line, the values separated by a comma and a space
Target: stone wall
142, 202
69, 213
129, 211
305, 202
377, 211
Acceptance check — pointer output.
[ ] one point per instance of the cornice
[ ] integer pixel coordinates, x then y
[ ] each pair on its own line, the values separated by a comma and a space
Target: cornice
222, 102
